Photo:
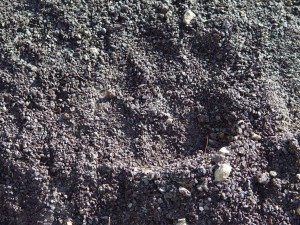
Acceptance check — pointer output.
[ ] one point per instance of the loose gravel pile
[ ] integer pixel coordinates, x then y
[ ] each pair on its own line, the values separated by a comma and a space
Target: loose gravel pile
149, 112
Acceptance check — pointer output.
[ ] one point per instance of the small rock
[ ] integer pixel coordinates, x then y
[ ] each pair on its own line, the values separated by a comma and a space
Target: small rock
161, 189
149, 174
110, 94
181, 221
160, 201
298, 176
224, 151
193, 1
184, 191
273, 173
94, 51
69, 222
218, 158
169, 121
276, 183
202, 170
4, 109
264, 178
199, 188
255, 137
298, 211
294, 145
223, 172
226, 24
82, 212
188, 17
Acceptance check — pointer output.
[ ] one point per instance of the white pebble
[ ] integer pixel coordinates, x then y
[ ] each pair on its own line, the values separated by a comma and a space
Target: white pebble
223, 172
169, 121
255, 137
94, 50
181, 221
298, 176
188, 17
184, 192
273, 173
224, 151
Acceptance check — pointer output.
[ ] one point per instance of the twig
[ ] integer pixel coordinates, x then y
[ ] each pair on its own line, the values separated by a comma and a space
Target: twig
108, 220
206, 144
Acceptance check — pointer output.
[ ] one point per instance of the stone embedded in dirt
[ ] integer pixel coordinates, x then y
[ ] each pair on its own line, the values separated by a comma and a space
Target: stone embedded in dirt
94, 51
193, 1
110, 93
218, 158
185, 192
264, 178
294, 145
188, 16
181, 221
169, 121
298, 211
202, 170
273, 173
223, 172
224, 151
222, 65
255, 137
3, 109
298, 176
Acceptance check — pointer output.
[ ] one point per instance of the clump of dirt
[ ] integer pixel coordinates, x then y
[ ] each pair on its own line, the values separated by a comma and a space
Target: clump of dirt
114, 112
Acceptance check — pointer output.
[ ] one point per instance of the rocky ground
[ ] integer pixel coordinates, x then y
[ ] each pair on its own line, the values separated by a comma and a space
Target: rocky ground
114, 112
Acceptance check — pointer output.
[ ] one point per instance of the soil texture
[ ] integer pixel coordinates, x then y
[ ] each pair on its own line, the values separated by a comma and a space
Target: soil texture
114, 112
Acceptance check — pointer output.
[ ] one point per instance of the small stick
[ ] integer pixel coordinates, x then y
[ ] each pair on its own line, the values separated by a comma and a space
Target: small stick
108, 220
206, 144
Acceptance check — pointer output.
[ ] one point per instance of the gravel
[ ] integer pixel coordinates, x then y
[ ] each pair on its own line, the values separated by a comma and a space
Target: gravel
114, 112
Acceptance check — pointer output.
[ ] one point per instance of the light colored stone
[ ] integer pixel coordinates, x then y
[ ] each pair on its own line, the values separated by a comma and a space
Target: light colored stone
298, 211
188, 16
184, 191
255, 137
69, 222
264, 178
181, 221
169, 121
224, 151
273, 173
94, 51
298, 176
223, 172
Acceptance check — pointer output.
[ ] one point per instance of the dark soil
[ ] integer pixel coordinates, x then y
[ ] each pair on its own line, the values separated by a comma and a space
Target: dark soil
112, 112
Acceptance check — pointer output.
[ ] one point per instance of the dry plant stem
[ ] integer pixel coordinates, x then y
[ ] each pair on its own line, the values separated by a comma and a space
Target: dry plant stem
206, 144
